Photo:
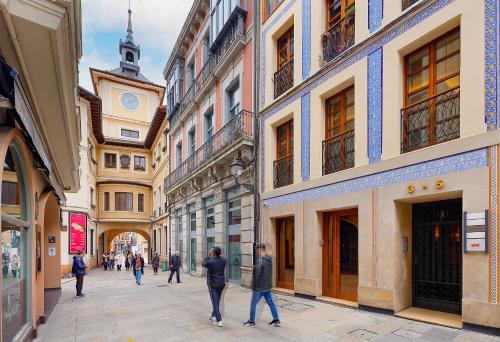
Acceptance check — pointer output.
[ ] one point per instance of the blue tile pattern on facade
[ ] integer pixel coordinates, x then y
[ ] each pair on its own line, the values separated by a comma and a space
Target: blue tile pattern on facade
452, 164
384, 39
269, 25
306, 38
375, 60
491, 41
375, 14
305, 134
494, 223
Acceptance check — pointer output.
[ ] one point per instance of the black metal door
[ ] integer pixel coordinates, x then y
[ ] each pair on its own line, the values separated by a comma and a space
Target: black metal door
437, 255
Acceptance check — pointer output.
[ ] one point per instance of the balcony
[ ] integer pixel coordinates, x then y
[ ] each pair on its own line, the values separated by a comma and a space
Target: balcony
431, 121
339, 38
407, 3
338, 153
283, 171
235, 131
283, 79
205, 80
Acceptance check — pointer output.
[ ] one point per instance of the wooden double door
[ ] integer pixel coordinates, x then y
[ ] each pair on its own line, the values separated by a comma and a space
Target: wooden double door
340, 254
285, 253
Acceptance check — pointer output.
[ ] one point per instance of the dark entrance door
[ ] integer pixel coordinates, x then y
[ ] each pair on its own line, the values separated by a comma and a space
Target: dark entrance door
285, 256
437, 255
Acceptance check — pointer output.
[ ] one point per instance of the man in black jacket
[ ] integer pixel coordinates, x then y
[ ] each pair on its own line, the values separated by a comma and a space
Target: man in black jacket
216, 267
262, 284
78, 270
175, 264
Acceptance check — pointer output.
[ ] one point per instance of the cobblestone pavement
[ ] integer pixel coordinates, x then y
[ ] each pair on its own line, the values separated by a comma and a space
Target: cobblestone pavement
116, 309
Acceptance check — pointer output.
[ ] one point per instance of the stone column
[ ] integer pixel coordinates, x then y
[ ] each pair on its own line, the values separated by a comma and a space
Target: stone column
247, 237
185, 238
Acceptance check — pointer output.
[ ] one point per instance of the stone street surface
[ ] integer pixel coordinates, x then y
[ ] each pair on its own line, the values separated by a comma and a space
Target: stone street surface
116, 309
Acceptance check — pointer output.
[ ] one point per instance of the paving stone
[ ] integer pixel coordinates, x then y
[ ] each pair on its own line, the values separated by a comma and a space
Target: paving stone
407, 333
363, 334
439, 335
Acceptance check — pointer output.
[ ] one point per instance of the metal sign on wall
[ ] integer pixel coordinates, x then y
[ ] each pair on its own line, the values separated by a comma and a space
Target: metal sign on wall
476, 232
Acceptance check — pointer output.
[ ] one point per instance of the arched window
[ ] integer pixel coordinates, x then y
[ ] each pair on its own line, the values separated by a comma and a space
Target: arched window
15, 239
129, 57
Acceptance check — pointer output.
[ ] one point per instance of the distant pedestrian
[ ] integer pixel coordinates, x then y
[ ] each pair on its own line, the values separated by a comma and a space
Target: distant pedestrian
262, 282
175, 264
216, 267
127, 261
156, 263
138, 267
105, 261
78, 270
112, 261
14, 266
119, 261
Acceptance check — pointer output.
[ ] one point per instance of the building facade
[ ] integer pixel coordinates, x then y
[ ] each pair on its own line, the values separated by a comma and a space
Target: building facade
210, 111
379, 153
40, 45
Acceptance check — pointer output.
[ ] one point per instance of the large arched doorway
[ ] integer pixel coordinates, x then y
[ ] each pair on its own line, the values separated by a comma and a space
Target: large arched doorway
120, 241
16, 240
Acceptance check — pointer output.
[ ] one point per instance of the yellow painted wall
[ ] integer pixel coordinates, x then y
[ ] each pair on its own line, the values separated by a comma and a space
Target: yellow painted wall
113, 214
119, 172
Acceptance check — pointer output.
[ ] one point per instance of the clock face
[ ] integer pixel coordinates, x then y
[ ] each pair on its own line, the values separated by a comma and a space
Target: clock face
129, 101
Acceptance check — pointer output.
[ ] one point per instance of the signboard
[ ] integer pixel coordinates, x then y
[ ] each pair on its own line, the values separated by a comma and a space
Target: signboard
476, 232
77, 232
52, 251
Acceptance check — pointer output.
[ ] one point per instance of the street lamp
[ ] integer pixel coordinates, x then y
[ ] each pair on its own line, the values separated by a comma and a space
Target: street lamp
236, 170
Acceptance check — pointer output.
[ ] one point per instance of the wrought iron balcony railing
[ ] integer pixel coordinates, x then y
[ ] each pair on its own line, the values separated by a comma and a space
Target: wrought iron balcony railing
407, 3
339, 38
283, 171
238, 128
338, 153
431, 121
283, 79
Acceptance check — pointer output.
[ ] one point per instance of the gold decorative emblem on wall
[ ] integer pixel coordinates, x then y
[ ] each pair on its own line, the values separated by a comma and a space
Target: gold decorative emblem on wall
125, 161
410, 188
439, 184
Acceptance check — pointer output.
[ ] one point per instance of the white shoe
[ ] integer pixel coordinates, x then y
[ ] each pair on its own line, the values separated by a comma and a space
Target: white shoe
213, 319
219, 324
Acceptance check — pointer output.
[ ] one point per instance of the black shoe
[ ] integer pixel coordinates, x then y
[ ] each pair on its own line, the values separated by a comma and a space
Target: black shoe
275, 322
249, 323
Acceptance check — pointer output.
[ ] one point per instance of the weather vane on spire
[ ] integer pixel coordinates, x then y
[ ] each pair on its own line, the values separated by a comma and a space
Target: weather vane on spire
130, 38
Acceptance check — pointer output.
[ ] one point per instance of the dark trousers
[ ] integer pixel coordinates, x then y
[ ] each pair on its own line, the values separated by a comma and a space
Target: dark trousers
172, 271
119, 267
155, 270
211, 299
79, 284
216, 296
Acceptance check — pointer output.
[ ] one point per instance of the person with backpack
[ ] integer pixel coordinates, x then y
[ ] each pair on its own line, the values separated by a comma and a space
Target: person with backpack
216, 268
262, 283
78, 270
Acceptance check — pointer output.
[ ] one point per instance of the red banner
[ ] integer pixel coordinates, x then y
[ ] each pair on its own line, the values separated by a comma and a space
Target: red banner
77, 232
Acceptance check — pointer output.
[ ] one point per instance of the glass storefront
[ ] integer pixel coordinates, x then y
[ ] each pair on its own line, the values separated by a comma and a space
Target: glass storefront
15, 236
179, 234
210, 223
192, 238
234, 234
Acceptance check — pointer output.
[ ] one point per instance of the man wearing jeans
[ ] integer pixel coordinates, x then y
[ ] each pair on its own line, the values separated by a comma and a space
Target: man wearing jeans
262, 283
79, 271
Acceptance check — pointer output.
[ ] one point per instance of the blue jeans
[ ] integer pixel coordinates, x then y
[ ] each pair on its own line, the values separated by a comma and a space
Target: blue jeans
138, 275
256, 296
216, 295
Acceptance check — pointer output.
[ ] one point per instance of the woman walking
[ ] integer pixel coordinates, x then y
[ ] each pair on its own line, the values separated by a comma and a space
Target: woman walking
119, 261
216, 267
138, 267
156, 263
127, 261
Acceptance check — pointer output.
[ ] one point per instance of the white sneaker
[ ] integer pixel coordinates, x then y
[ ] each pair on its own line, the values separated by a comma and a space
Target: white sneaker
219, 324
213, 319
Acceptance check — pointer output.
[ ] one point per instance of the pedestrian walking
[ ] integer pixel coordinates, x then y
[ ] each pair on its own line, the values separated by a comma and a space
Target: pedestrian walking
105, 261
14, 266
78, 270
212, 314
262, 282
175, 264
138, 267
119, 261
112, 261
216, 268
127, 261
156, 263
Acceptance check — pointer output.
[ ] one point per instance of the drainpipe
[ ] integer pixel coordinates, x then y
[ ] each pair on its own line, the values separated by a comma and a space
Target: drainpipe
256, 93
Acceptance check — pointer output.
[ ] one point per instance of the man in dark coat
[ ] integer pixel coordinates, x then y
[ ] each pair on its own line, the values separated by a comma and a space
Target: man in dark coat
216, 267
175, 264
138, 267
156, 263
78, 270
262, 283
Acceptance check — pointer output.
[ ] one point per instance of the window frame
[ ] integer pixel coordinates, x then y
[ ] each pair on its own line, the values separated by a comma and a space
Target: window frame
7, 188
123, 200
265, 11
140, 202
106, 201
290, 37
344, 5
343, 106
288, 137
122, 130
140, 168
113, 160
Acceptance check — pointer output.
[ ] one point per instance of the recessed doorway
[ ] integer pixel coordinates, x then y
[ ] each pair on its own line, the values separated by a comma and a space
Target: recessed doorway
340, 254
285, 252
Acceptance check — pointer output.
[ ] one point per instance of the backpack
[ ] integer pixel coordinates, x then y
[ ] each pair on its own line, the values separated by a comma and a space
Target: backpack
73, 269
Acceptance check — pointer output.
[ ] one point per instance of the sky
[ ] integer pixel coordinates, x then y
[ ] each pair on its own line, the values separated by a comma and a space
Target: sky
156, 25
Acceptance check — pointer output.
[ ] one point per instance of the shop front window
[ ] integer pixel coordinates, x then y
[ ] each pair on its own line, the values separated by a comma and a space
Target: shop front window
234, 235
15, 256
